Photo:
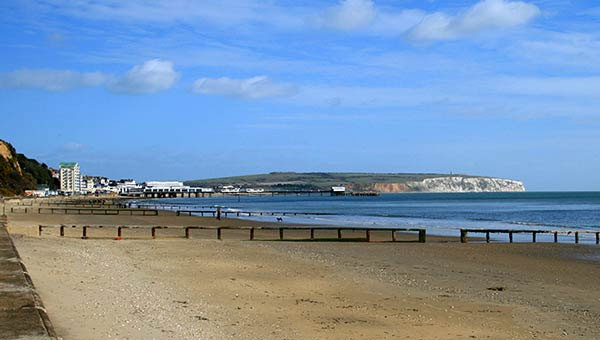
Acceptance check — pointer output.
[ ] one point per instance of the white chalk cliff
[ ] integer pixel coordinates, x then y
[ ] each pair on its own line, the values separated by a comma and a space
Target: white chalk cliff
453, 184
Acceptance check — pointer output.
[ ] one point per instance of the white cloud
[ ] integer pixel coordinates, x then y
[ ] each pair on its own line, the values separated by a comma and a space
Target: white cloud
248, 88
485, 15
153, 76
50, 80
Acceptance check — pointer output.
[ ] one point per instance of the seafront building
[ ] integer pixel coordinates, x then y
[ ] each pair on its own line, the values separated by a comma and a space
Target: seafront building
70, 178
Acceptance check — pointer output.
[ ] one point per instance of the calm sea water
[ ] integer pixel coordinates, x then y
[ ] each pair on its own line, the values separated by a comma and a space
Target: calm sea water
441, 214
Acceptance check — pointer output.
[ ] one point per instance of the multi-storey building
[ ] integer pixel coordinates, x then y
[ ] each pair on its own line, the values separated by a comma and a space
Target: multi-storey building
70, 178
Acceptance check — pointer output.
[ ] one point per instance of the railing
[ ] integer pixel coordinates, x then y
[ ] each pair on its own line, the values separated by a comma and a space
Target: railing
534, 233
422, 235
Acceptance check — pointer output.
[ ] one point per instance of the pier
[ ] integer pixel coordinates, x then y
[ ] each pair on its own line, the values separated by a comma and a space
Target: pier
193, 193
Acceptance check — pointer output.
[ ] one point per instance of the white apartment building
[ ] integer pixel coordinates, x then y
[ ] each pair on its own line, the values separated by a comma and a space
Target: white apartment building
70, 178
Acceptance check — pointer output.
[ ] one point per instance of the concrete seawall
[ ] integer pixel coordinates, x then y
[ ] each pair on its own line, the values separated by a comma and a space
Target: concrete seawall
22, 314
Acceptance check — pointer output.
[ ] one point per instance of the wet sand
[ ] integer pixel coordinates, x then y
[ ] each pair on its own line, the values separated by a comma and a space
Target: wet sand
173, 288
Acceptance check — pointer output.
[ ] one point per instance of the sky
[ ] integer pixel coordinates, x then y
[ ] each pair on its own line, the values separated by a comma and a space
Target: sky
165, 90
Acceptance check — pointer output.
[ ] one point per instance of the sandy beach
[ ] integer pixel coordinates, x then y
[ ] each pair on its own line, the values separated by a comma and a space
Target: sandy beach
202, 288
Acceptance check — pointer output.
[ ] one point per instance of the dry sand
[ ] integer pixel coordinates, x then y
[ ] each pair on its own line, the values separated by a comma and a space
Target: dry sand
209, 289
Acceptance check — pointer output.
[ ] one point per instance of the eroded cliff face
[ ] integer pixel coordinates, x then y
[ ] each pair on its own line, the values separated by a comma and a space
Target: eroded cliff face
453, 184
7, 154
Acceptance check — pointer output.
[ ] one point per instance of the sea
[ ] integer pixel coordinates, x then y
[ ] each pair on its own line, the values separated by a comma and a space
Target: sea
440, 213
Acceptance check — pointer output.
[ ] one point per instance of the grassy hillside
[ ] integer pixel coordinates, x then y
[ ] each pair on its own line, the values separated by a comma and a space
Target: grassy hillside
313, 180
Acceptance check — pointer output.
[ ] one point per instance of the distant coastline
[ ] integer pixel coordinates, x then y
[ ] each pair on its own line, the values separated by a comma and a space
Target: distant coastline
377, 182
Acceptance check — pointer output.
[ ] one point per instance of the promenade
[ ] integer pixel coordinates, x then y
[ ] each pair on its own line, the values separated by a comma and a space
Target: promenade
22, 315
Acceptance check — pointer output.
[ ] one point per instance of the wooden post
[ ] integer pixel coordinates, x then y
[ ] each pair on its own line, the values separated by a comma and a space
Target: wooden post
534, 236
40, 230
487, 237
281, 233
393, 235
555, 237
510, 236
153, 232
576, 237
597, 238
368, 232
218, 233
84, 232
187, 232
339, 233
218, 213
312, 233
463, 236
119, 232
251, 234
62, 230
422, 236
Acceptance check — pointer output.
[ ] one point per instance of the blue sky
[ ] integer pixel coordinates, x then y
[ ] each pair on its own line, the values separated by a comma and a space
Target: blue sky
193, 89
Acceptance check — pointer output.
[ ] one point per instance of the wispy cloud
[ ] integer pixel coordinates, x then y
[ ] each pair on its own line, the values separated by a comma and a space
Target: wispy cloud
246, 88
485, 15
349, 15
72, 147
50, 80
153, 76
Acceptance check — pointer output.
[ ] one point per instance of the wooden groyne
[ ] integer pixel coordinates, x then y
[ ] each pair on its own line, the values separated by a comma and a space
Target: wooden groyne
534, 233
97, 211
186, 231
247, 213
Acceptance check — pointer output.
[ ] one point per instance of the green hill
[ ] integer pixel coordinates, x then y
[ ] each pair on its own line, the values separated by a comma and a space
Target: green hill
19, 173
316, 180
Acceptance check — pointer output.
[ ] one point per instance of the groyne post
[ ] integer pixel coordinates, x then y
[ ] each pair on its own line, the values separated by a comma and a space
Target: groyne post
368, 234
510, 236
463, 236
252, 234
187, 232
339, 234
393, 235
40, 230
281, 233
555, 237
533, 236
219, 233
422, 236
312, 233
576, 237
487, 237
84, 235
597, 238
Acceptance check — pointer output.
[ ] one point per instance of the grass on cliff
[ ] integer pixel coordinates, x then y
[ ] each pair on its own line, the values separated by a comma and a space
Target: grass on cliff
315, 180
